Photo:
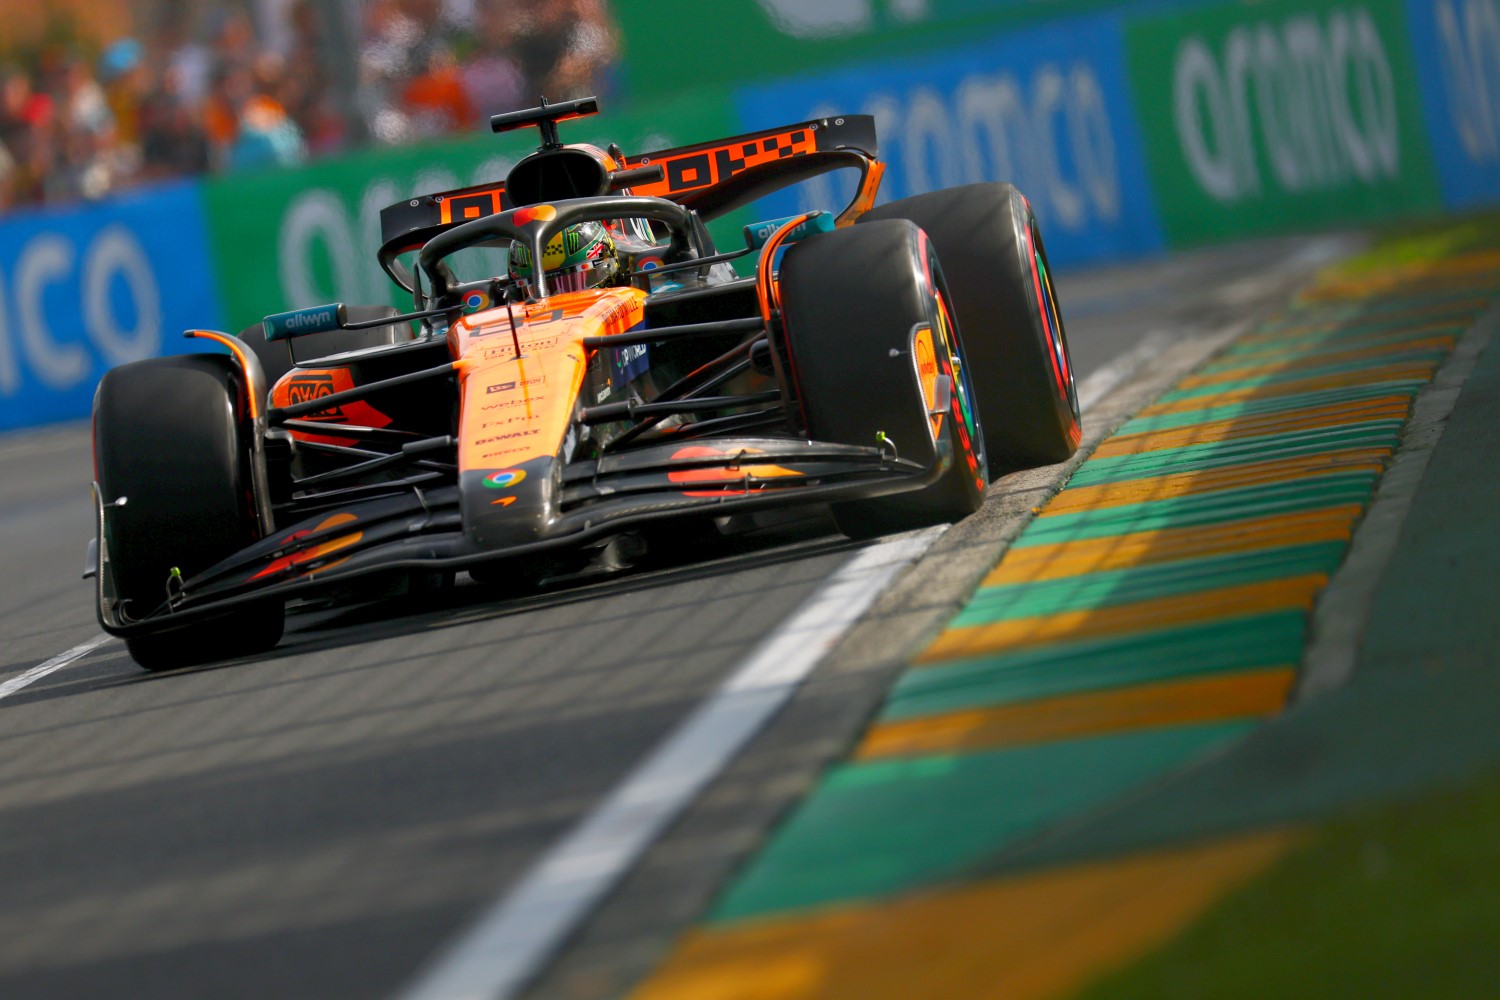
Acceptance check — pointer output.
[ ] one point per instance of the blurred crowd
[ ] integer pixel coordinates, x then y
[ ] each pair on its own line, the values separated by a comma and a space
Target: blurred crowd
225, 87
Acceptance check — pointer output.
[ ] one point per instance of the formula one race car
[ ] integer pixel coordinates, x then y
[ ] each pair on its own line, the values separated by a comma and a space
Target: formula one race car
603, 375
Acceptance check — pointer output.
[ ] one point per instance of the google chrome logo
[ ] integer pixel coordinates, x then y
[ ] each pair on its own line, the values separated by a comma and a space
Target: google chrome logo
504, 479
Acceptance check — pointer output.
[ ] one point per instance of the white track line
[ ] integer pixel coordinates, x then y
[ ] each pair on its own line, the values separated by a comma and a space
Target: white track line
515, 937
523, 929
41, 670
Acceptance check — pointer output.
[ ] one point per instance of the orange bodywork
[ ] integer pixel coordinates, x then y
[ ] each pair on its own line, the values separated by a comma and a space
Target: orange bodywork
691, 168
726, 479
927, 374
511, 409
302, 385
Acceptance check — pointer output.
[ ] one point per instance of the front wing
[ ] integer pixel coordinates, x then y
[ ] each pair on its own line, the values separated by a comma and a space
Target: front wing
419, 529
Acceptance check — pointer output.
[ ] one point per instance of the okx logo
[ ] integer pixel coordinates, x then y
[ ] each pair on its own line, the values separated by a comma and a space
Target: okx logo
306, 388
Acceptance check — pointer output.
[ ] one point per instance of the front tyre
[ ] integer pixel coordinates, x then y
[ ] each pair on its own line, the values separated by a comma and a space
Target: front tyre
871, 336
1006, 305
170, 438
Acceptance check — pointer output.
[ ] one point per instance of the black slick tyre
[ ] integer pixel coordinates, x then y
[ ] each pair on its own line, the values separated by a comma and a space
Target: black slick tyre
1002, 291
855, 304
169, 438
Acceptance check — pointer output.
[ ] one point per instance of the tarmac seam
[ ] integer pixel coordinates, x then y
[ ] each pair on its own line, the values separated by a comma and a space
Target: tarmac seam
1342, 611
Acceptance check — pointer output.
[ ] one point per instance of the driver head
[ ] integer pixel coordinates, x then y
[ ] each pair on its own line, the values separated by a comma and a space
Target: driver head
581, 256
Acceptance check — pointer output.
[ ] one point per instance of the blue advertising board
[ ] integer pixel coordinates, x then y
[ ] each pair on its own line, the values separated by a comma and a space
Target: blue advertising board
1457, 48
1047, 109
91, 286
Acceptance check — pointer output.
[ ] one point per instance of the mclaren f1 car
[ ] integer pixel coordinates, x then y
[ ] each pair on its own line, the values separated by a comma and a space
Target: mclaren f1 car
581, 365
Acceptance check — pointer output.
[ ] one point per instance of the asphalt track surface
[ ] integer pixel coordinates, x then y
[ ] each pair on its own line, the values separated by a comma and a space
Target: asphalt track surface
322, 820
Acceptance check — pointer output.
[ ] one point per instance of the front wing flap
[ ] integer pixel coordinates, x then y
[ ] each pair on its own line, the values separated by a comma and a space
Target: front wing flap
423, 530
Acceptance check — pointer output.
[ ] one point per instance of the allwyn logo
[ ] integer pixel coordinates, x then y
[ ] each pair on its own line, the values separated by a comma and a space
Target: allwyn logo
1317, 94
320, 319
306, 388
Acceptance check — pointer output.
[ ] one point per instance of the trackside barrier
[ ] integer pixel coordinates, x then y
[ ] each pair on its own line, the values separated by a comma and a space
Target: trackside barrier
1133, 127
86, 288
1280, 116
1457, 48
1047, 108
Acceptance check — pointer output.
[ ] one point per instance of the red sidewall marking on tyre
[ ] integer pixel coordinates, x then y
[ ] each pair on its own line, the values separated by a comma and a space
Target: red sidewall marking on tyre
1041, 301
960, 404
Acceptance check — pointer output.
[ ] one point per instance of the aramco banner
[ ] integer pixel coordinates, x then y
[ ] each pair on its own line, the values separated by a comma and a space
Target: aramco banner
1281, 115
88, 287
1047, 108
1457, 47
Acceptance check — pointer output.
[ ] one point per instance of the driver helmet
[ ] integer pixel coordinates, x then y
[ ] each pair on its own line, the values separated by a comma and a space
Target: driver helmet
581, 256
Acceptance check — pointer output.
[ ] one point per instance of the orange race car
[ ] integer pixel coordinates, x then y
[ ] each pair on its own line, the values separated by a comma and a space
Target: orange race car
581, 367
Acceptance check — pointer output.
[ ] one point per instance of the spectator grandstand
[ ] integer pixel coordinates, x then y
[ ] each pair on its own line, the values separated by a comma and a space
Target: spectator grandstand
96, 95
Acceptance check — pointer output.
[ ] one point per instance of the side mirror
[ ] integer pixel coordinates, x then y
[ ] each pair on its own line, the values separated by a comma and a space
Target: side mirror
313, 319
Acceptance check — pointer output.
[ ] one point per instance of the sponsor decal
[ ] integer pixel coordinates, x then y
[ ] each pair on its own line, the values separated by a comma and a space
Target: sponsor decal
756, 234
315, 319
1327, 105
508, 403
504, 479
619, 312
535, 343
629, 362
1285, 114
309, 386
1470, 48
306, 388
531, 432
509, 386
1457, 49
319, 318
503, 501
86, 287
476, 301
1047, 109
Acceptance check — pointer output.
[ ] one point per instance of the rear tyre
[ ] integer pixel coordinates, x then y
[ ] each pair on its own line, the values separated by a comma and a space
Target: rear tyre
1007, 308
168, 436
853, 302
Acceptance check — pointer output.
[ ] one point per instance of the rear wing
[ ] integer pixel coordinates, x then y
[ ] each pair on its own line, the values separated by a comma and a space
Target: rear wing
714, 178
711, 178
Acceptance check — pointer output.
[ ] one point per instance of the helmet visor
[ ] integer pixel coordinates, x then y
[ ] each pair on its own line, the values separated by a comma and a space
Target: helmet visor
574, 280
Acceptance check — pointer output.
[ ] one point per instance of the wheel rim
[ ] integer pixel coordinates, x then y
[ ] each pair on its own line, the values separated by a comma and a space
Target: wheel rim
1062, 368
962, 406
